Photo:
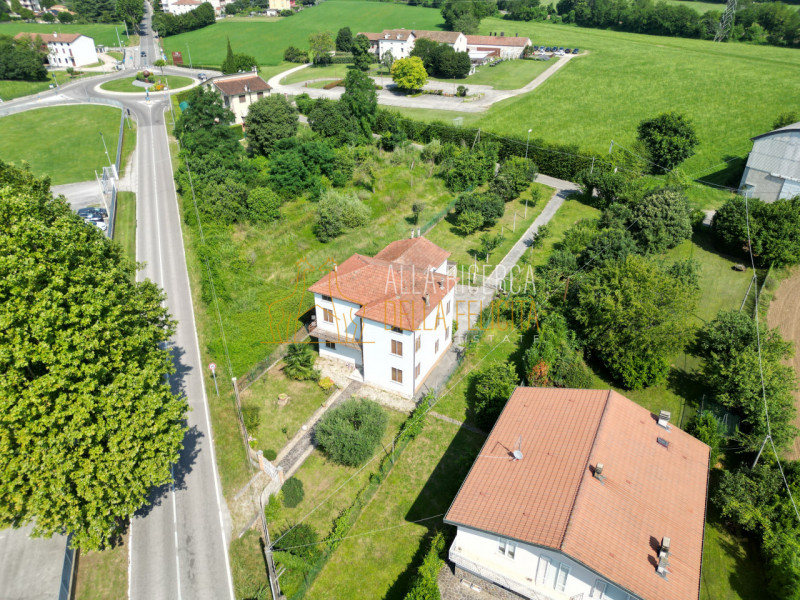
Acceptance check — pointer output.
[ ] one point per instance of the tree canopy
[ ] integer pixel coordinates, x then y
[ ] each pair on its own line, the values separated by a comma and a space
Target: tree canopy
22, 59
321, 45
669, 138
660, 221
350, 433
88, 421
269, 120
409, 73
344, 39
361, 100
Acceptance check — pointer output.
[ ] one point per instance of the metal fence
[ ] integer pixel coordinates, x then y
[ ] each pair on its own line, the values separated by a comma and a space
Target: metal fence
112, 207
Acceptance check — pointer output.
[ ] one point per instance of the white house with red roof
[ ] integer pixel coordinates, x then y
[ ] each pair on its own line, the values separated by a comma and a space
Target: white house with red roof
390, 316
66, 49
400, 42
505, 47
239, 91
582, 494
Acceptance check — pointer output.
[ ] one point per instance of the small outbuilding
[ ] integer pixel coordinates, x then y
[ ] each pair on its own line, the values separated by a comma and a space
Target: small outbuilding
773, 167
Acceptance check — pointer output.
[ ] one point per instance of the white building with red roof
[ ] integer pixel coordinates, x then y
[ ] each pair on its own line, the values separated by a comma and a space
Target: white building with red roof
499, 45
65, 49
239, 91
400, 42
389, 316
582, 494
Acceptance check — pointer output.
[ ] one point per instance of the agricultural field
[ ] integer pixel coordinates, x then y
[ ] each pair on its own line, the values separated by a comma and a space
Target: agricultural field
266, 40
40, 136
103, 34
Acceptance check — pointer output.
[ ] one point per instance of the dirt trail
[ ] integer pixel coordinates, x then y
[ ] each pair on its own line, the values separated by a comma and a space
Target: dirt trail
784, 313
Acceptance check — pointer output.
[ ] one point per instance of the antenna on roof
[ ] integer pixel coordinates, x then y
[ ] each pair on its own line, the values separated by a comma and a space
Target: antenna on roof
518, 449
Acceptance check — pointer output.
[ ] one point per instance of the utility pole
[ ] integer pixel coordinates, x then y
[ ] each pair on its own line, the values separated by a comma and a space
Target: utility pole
102, 137
190, 56
116, 30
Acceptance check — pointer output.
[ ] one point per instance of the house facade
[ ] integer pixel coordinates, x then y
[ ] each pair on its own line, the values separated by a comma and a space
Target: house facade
239, 91
504, 47
66, 49
388, 316
773, 166
400, 42
582, 494
180, 7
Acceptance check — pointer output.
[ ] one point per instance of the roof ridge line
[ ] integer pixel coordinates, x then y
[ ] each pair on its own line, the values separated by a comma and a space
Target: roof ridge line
588, 461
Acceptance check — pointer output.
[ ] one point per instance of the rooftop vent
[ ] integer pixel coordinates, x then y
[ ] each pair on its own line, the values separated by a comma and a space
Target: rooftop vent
663, 419
335, 267
663, 442
663, 558
598, 473
427, 299
441, 284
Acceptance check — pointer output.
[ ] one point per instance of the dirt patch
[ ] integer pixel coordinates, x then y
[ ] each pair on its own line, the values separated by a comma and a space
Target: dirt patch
784, 313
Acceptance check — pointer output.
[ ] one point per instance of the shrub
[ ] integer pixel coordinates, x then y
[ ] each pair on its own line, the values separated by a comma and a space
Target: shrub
295, 55
493, 388
326, 383
338, 211
706, 428
661, 221
541, 234
461, 91
469, 221
300, 363
293, 492
514, 176
350, 433
490, 206
426, 584
263, 205
301, 541
251, 415
273, 507
304, 103
270, 454
430, 151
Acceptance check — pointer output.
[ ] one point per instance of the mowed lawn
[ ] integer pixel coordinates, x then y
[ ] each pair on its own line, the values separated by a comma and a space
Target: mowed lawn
16, 89
267, 40
62, 142
507, 75
126, 85
102, 34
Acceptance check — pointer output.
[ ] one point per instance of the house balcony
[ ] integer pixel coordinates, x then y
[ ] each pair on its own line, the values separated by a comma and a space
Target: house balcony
506, 578
331, 335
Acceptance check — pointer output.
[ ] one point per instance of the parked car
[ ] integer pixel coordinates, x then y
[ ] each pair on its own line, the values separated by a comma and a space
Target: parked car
142, 53
567, 50
202, 76
92, 213
574, 50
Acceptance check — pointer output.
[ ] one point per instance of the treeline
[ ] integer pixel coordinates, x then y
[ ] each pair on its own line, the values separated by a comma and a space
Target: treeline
168, 24
21, 60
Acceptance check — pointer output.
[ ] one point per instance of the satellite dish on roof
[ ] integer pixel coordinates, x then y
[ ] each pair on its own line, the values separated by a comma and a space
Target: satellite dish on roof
517, 455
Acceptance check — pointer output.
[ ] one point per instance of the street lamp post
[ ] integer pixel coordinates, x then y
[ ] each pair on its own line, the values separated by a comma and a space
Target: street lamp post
102, 137
527, 142
190, 56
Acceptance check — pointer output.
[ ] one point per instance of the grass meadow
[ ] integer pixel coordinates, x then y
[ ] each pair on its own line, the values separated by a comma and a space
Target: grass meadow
16, 89
49, 139
102, 34
125, 227
126, 84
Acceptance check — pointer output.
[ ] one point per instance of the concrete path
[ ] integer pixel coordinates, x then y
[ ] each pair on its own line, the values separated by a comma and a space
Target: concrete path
390, 97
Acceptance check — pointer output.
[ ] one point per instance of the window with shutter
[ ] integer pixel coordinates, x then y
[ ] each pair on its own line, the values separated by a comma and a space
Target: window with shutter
397, 348
327, 315
397, 375
541, 569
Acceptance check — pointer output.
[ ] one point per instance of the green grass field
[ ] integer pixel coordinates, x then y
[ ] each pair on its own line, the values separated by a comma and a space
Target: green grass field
126, 84
62, 142
125, 226
16, 89
508, 75
266, 40
101, 33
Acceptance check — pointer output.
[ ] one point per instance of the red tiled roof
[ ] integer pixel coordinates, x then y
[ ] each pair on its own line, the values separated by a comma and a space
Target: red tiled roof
550, 497
390, 291
442, 37
238, 85
186, 3
418, 252
372, 37
67, 38
496, 40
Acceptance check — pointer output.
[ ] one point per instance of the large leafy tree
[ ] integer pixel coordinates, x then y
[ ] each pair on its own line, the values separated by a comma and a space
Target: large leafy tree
361, 100
350, 433
661, 221
269, 120
670, 138
466, 16
731, 369
632, 314
362, 57
409, 73
493, 387
204, 126
22, 59
344, 39
321, 45
88, 422
130, 11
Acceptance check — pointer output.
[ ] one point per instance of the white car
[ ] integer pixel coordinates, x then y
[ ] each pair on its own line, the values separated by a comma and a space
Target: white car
99, 224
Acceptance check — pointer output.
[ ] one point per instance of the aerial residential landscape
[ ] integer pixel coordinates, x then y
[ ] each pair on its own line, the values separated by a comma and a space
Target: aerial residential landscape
403, 299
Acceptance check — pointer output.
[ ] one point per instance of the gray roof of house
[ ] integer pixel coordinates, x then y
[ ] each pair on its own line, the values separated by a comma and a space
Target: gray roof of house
778, 152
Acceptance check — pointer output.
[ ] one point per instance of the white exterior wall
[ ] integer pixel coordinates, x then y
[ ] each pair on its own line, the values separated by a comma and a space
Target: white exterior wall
399, 48
529, 567
240, 104
346, 326
460, 44
505, 51
280, 4
79, 53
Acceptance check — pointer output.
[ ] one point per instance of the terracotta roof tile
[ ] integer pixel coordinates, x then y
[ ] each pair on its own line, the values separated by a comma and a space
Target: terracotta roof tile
442, 37
241, 85
550, 497
496, 40
67, 38
418, 252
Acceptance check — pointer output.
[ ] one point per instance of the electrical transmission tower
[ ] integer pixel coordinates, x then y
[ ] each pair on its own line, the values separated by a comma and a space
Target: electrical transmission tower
726, 23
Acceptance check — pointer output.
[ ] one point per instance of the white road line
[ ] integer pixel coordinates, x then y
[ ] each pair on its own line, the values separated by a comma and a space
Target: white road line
175, 521
213, 453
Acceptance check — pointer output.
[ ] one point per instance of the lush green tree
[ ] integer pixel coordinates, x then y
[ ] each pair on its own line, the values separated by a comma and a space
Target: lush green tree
424, 49
553, 359
300, 363
633, 316
296, 167
388, 60
669, 138
409, 73
468, 169
160, 63
661, 221
131, 12
466, 16
609, 244
295, 55
450, 64
46, 17
773, 229
489, 243
22, 59
469, 221
229, 64
732, 371
338, 211
245, 62
488, 205
89, 422
332, 119
514, 177
493, 387
293, 492
270, 119
204, 126
224, 202
300, 541
608, 185
361, 100
344, 40
707, 428
350, 433
362, 57
263, 205
321, 44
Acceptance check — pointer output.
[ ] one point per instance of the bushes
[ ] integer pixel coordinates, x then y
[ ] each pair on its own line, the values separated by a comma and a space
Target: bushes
425, 585
489, 207
706, 428
661, 221
350, 433
295, 55
300, 363
263, 205
168, 24
493, 387
293, 492
468, 169
300, 541
337, 212
251, 415
514, 176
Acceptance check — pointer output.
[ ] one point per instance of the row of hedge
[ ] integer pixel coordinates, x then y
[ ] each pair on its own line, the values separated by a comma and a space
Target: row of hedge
342, 524
557, 160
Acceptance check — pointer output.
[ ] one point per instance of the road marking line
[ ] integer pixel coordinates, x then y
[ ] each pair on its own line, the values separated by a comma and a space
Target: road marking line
202, 383
175, 521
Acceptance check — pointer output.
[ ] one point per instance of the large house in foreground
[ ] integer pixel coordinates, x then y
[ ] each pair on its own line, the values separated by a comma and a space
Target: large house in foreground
582, 494
773, 167
66, 49
239, 91
389, 316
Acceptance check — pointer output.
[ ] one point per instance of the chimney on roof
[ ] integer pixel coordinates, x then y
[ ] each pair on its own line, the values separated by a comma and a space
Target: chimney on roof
419, 232
412, 234
663, 558
663, 419
427, 299
441, 284
335, 267
598, 473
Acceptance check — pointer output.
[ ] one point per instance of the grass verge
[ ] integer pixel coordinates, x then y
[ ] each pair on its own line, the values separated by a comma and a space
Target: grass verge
249, 568
17, 89
103, 575
125, 227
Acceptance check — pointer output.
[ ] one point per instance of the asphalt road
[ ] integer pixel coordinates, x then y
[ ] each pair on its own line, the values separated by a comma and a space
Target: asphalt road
179, 542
